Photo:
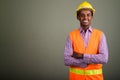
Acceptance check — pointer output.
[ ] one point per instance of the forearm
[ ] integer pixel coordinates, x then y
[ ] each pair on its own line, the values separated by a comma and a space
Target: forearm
68, 52
91, 58
71, 61
95, 58
101, 57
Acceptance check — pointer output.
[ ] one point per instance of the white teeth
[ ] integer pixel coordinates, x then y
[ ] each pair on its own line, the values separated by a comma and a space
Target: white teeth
85, 21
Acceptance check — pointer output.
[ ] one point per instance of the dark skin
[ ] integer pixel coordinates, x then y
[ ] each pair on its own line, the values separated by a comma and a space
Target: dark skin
85, 17
77, 55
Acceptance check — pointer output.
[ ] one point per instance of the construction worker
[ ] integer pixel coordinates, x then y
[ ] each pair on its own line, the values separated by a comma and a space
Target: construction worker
86, 47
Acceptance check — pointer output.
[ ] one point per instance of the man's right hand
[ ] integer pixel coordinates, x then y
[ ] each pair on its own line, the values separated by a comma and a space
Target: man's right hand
77, 55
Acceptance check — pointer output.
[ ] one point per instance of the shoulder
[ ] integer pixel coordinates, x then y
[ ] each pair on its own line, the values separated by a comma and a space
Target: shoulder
97, 30
74, 31
73, 34
100, 33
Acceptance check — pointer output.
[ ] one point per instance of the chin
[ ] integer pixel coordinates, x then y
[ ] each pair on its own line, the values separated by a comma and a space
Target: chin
86, 25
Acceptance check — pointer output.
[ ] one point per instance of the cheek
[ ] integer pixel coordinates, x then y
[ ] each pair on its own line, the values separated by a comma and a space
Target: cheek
79, 18
90, 18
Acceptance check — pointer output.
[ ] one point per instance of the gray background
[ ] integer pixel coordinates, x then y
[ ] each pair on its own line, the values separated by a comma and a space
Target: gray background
33, 35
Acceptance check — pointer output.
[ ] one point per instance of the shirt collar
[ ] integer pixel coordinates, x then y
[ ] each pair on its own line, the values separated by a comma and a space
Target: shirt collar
90, 29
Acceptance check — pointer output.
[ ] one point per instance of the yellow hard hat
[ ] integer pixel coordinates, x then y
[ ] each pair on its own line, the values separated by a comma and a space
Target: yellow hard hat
85, 5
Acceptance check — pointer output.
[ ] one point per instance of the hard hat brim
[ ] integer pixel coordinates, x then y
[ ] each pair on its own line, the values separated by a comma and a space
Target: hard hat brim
93, 10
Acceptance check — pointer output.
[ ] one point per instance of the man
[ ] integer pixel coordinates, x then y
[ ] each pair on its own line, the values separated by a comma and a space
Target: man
86, 48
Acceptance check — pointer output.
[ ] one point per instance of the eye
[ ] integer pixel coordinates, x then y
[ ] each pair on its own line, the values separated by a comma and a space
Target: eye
88, 15
81, 15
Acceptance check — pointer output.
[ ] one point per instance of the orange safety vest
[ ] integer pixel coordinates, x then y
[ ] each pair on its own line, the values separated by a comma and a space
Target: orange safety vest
92, 71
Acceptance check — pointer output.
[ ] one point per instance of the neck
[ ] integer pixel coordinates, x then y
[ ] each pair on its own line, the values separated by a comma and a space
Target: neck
85, 28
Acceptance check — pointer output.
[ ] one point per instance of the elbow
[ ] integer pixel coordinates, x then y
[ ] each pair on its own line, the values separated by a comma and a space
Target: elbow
66, 62
104, 61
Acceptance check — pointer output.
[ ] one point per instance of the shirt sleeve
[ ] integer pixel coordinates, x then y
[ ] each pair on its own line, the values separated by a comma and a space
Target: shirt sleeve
68, 59
102, 56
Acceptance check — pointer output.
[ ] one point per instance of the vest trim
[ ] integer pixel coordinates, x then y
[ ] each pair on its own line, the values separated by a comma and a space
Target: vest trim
86, 72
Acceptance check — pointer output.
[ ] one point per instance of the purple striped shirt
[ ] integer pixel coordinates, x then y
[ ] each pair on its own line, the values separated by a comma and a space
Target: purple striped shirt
100, 58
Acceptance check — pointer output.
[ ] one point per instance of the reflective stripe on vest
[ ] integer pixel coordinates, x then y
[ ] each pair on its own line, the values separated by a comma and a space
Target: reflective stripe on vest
86, 72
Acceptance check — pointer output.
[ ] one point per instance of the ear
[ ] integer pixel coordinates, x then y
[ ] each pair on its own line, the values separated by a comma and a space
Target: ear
92, 17
78, 18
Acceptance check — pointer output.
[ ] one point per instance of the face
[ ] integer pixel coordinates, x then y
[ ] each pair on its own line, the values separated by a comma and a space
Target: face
85, 17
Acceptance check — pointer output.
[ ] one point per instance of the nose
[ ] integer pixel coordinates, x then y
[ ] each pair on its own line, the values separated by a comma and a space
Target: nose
85, 17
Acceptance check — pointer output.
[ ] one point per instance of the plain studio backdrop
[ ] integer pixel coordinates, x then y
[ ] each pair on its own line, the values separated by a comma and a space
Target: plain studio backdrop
33, 35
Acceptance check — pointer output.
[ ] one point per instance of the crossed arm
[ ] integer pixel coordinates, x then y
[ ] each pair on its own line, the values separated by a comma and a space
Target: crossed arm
72, 58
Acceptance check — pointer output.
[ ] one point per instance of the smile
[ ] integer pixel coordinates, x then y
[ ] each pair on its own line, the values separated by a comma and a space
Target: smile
85, 21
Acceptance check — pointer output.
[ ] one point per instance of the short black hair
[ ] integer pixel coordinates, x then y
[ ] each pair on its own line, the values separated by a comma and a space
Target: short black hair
78, 12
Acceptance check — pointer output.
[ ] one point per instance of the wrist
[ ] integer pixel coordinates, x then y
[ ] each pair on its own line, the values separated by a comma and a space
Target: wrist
82, 55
